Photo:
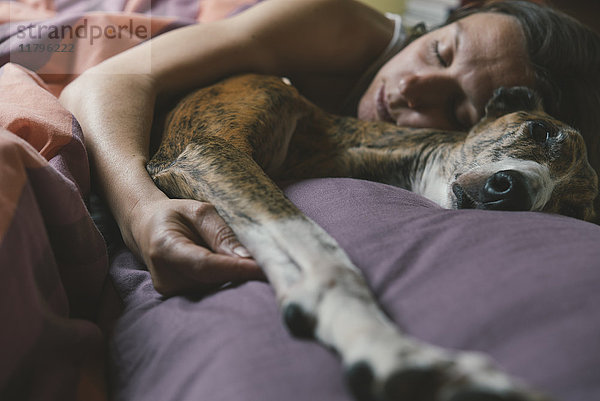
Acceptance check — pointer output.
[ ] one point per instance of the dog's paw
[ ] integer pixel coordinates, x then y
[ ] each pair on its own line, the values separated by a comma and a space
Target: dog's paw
299, 322
421, 372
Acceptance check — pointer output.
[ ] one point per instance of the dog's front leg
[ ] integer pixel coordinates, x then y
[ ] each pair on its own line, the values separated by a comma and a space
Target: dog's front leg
297, 255
319, 290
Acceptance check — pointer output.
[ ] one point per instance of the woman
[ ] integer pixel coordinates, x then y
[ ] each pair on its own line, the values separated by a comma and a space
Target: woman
442, 79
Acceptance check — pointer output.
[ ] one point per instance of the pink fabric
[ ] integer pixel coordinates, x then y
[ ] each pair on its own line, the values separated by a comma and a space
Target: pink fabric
59, 40
53, 260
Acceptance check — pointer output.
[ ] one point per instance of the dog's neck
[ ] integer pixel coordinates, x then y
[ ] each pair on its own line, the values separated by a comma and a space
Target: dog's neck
422, 161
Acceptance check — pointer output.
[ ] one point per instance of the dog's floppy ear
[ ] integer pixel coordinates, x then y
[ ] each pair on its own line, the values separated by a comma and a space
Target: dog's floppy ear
509, 100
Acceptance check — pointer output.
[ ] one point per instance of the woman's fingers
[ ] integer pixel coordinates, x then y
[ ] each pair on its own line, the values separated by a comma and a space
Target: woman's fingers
187, 266
214, 231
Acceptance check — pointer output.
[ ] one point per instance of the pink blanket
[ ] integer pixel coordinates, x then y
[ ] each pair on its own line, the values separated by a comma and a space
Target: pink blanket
53, 260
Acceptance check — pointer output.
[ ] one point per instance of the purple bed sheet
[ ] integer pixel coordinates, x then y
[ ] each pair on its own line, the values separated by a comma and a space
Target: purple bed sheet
523, 287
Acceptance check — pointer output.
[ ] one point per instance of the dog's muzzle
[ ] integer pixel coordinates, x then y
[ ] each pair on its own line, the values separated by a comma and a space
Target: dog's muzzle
504, 190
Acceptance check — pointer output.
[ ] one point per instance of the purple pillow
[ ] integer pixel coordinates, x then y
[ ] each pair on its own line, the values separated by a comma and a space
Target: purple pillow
523, 287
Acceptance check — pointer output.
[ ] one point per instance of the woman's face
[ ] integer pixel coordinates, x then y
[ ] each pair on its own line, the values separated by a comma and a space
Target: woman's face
445, 78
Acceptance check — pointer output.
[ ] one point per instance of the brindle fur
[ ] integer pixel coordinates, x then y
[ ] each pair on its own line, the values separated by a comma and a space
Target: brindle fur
226, 143
289, 138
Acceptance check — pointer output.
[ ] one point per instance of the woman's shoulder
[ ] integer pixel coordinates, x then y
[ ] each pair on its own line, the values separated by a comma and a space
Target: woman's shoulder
323, 46
336, 35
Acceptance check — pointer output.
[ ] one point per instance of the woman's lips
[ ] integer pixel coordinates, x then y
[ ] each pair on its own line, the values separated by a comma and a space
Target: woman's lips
382, 110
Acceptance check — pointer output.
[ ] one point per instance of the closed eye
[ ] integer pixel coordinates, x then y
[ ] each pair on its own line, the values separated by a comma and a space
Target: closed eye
435, 49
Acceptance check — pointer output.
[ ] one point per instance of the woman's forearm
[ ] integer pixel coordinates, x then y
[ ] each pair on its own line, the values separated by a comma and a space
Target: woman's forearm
114, 103
115, 114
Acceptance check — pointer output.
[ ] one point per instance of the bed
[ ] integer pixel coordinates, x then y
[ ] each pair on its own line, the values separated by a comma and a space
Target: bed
81, 320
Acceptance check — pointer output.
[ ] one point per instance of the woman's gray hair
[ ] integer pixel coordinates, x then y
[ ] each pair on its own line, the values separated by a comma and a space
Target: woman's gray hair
566, 57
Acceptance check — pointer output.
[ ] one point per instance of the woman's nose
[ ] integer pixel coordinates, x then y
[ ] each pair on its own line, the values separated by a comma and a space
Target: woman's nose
425, 91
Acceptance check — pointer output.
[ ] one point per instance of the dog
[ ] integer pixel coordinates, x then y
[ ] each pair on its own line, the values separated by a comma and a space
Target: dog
226, 144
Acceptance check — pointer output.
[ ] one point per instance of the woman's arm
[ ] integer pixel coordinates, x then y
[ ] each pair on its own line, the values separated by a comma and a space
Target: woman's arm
114, 103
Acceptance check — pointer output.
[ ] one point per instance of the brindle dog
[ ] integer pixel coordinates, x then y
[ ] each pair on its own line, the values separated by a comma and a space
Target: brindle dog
224, 144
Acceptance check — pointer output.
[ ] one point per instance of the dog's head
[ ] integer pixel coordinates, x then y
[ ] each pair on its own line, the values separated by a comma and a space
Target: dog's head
519, 158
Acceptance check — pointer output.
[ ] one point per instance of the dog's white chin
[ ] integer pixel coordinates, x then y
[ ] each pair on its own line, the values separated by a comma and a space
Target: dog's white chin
448, 201
434, 186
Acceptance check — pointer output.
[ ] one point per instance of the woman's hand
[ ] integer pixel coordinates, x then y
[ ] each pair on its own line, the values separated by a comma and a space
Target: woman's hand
187, 246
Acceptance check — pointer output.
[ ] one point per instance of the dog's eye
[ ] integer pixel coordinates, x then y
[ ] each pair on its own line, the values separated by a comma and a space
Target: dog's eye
541, 132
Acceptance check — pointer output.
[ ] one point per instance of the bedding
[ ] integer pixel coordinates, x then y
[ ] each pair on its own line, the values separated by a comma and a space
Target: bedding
522, 287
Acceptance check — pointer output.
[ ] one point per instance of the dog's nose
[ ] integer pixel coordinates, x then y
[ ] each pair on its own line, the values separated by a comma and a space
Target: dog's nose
505, 190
